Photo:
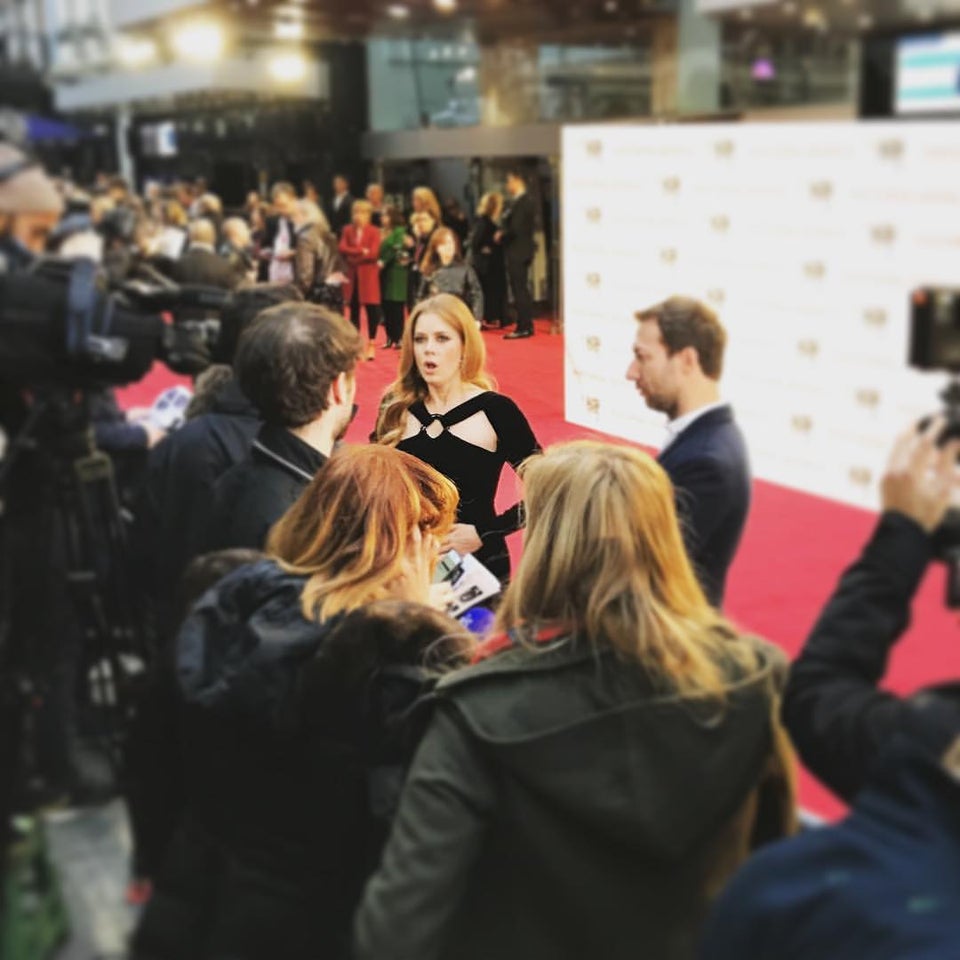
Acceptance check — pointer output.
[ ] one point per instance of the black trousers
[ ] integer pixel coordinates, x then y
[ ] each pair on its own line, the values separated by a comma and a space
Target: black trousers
518, 275
373, 313
393, 319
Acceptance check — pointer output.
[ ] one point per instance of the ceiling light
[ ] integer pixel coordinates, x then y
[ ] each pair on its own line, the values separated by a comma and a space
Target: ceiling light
287, 67
865, 21
201, 41
288, 30
445, 6
398, 11
610, 6
136, 51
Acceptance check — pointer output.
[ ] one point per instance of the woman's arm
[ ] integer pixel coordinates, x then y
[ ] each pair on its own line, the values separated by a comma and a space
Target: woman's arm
436, 839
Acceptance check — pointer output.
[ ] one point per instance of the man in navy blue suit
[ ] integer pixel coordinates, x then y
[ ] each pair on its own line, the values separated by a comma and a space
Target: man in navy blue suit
677, 363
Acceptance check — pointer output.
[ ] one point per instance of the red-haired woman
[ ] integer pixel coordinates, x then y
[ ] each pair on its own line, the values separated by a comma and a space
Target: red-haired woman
443, 270
293, 674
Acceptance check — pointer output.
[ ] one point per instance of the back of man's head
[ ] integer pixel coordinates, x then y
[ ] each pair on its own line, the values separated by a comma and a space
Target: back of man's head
290, 357
244, 307
237, 231
685, 322
202, 231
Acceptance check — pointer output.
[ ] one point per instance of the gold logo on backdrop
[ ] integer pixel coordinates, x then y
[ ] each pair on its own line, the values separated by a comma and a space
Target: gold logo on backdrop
672, 185
875, 317
801, 423
815, 269
821, 189
861, 476
669, 255
594, 148
809, 348
593, 281
868, 398
594, 214
593, 344
884, 234
720, 223
892, 149
717, 295
724, 148
593, 404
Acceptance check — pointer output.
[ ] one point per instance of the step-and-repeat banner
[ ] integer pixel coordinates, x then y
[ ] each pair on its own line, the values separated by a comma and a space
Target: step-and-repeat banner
806, 238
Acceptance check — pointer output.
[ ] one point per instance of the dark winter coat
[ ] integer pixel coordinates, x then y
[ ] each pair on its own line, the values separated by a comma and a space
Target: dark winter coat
253, 495
561, 808
460, 279
294, 745
175, 502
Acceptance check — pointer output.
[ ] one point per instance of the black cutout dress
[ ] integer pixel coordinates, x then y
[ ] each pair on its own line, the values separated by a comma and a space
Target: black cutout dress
475, 471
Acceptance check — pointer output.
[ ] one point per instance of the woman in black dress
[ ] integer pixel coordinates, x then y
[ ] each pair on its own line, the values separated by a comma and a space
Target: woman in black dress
443, 408
486, 257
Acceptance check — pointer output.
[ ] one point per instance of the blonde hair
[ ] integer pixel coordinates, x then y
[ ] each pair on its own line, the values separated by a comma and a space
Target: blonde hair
603, 557
409, 387
362, 206
491, 205
430, 203
351, 531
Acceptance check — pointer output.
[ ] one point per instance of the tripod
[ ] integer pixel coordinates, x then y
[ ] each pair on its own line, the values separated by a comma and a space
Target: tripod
67, 614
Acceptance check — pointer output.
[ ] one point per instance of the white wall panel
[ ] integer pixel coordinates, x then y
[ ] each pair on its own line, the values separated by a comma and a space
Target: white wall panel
807, 239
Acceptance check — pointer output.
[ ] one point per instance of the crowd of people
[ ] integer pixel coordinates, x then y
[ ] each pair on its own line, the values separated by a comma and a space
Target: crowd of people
324, 763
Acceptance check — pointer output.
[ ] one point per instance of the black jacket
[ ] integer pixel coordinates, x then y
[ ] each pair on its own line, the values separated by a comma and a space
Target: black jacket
485, 255
201, 266
342, 215
293, 741
518, 224
251, 496
710, 469
460, 279
838, 718
559, 808
174, 504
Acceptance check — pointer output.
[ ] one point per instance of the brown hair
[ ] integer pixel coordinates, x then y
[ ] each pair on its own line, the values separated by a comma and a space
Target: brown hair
685, 322
352, 529
409, 387
391, 217
289, 357
603, 557
431, 259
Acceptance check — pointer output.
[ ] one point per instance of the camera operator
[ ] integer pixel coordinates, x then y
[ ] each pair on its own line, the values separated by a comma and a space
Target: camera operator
30, 207
883, 882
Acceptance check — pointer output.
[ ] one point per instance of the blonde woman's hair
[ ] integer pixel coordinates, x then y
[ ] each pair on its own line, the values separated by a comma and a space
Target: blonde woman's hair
409, 387
351, 531
311, 213
603, 557
362, 206
429, 200
491, 205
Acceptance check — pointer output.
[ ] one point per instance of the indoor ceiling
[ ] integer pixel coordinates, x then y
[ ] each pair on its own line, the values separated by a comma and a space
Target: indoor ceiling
486, 20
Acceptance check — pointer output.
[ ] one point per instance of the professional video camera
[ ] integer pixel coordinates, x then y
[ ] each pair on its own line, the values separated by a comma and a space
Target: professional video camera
64, 335
935, 346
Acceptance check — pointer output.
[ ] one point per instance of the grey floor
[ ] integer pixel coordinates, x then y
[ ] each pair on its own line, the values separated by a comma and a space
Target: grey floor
90, 848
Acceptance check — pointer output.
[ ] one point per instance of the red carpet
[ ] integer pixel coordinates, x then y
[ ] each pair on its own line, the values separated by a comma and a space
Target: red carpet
794, 548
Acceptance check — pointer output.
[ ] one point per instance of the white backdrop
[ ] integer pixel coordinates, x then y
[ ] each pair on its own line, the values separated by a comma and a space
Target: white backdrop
806, 238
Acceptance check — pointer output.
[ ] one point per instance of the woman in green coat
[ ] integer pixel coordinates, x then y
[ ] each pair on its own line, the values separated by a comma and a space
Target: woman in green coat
394, 270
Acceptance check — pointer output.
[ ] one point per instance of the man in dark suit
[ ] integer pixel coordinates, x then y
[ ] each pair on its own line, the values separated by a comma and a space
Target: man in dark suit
516, 236
341, 206
201, 264
678, 359
278, 246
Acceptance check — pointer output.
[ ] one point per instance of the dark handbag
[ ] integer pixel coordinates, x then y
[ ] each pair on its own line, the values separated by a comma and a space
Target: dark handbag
329, 295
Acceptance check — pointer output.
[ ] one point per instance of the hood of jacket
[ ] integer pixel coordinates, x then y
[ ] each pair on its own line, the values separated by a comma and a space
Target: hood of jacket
589, 734
242, 645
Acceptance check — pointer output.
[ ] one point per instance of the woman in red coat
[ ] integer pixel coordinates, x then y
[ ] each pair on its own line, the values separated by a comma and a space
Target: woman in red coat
360, 245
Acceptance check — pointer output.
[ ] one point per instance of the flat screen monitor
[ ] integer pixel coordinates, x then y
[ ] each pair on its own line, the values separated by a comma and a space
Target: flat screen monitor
159, 139
927, 74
